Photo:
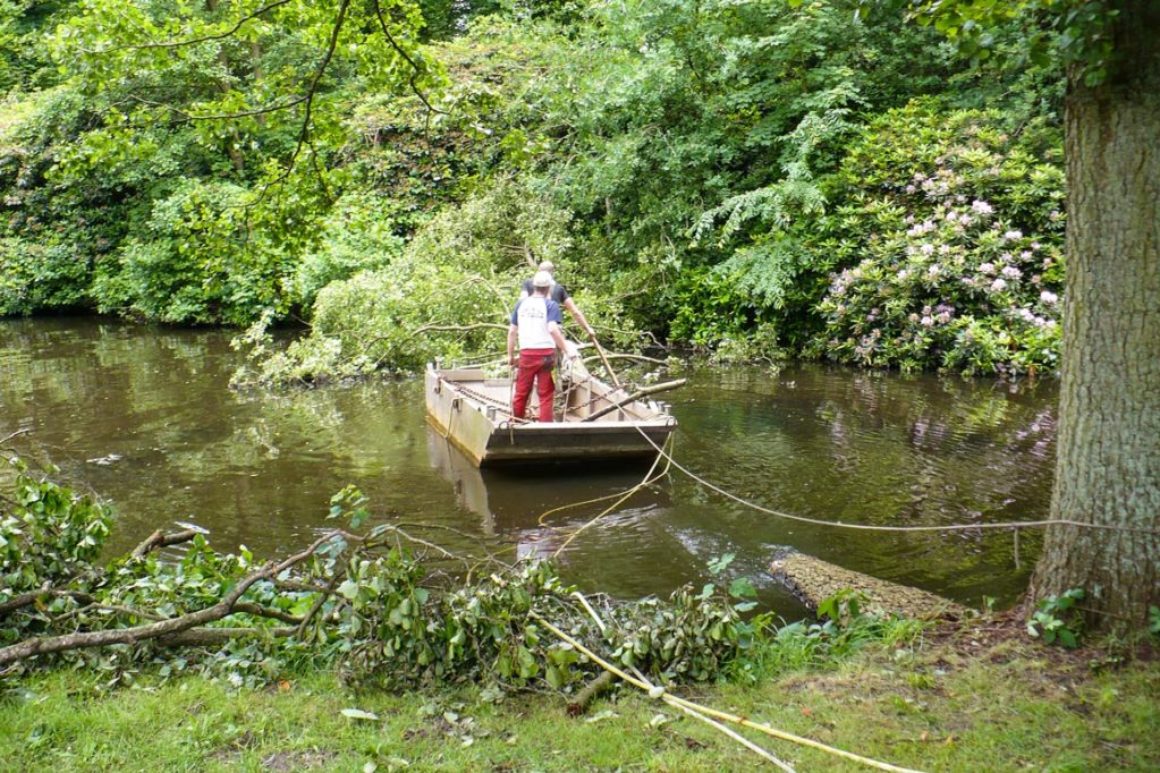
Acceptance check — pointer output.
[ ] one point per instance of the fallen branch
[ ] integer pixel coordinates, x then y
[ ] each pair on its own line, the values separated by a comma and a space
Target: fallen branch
257, 610
12, 435
28, 599
579, 703
636, 357
457, 328
210, 637
159, 539
227, 606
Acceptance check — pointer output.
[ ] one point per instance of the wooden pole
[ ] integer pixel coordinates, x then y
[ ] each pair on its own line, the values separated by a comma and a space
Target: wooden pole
635, 396
603, 359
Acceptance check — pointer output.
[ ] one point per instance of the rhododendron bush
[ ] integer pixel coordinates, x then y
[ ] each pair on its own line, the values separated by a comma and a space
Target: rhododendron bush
952, 236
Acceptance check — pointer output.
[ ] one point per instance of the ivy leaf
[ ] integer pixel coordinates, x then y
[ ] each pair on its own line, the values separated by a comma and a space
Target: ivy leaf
348, 590
720, 564
742, 588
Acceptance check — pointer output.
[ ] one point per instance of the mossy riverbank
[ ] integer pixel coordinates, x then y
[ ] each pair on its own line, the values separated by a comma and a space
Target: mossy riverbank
975, 696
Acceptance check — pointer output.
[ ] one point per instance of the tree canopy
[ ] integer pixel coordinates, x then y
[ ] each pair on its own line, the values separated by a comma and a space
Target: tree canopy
701, 172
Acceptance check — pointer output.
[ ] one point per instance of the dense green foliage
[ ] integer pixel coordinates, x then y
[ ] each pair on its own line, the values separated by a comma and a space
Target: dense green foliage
704, 173
366, 604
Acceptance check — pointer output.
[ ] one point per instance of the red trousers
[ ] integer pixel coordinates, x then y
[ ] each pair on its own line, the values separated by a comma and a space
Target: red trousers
535, 365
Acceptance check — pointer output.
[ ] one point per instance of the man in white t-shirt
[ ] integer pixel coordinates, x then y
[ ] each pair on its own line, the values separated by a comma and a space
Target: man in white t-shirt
535, 326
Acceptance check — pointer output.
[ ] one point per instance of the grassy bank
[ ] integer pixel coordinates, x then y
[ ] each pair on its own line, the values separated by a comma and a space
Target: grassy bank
982, 697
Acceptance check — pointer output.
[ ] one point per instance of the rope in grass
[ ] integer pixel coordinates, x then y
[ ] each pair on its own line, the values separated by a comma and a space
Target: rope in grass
677, 702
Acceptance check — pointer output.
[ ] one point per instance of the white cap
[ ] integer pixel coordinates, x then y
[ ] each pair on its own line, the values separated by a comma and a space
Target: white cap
542, 279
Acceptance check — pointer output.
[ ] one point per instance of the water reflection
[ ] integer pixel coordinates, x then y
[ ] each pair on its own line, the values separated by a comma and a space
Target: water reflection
143, 416
538, 509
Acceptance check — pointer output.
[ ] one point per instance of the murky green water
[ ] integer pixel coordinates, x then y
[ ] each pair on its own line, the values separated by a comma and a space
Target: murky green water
143, 417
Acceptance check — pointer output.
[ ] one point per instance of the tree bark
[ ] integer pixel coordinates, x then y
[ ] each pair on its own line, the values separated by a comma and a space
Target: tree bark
1108, 460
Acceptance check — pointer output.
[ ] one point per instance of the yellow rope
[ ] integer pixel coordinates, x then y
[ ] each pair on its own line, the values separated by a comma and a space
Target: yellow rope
648, 478
673, 700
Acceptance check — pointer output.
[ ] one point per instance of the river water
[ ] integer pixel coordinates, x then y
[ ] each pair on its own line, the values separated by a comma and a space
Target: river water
143, 417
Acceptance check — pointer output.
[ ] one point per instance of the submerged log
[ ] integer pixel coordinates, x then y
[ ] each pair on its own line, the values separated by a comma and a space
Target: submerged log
813, 581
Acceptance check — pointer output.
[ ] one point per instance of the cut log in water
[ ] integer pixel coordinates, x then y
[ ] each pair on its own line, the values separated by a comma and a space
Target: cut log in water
813, 581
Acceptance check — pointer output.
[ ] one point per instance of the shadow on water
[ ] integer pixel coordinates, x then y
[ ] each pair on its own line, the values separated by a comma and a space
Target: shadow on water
143, 417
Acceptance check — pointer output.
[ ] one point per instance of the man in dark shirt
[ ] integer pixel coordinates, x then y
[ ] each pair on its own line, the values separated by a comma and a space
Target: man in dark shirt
560, 295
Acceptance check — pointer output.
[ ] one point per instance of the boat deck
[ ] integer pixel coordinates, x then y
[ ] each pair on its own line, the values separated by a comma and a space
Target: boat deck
593, 421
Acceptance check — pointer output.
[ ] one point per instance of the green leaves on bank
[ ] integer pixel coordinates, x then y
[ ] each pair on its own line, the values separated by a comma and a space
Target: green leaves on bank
702, 173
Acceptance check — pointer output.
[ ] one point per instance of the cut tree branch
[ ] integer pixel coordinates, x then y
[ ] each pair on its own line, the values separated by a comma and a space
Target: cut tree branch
28, 599
227, 606
209, 637
159, 539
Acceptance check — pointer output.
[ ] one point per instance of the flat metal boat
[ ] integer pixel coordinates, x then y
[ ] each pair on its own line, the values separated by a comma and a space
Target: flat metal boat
594, 421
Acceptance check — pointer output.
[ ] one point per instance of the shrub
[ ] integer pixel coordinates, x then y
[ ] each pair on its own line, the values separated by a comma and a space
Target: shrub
198, 261
359, 235
956, 232
40, 276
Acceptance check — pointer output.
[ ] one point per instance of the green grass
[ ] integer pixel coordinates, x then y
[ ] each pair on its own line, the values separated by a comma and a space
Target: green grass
1011, 705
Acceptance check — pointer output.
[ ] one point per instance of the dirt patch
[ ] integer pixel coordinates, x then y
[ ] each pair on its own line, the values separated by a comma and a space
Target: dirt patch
297, 760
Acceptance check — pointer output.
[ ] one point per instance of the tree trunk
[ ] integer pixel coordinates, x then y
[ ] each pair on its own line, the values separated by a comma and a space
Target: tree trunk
1108, 465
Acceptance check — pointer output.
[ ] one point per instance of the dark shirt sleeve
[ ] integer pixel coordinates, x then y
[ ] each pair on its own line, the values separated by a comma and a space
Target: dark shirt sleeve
527, 287
554, 314
559, 293
515, 311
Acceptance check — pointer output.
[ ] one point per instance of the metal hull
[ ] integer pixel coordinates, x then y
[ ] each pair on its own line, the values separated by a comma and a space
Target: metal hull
472, 413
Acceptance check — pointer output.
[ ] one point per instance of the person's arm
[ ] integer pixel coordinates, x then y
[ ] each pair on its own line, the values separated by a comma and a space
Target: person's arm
555, 321
513, 331
558, 337
578, 315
